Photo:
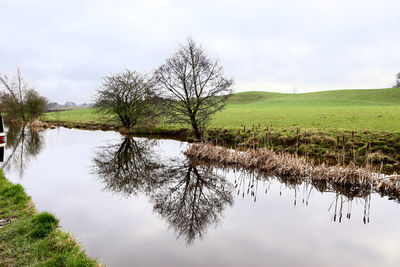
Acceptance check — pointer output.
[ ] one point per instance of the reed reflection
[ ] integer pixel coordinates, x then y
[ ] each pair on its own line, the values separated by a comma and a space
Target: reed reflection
248, 184
23, 144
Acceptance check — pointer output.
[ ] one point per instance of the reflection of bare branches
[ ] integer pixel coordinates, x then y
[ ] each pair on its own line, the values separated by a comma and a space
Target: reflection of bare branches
191, 195
24, 143
127, 167
192, 199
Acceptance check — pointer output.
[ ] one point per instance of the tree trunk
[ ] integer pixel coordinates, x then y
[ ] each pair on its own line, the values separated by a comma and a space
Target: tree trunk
195, 128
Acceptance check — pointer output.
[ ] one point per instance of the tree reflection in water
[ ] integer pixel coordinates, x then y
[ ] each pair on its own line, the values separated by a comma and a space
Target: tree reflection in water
191, 195
23, 144
129, 167
190, 198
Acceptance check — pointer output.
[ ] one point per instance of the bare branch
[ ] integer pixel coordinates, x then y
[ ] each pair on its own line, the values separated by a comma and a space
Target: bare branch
20, 101
193, 86
129, 96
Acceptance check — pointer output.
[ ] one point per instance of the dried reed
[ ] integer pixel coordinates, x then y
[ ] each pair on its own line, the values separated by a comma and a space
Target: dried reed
286, 164
38, 124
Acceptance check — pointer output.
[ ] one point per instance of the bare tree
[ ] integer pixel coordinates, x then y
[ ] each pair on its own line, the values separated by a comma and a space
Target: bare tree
193, 86
129, 96
397, 84
19, 100
15, 89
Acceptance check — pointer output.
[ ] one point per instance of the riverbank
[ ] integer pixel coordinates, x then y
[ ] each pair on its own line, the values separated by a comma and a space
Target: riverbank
332, 146
341, 126
29, 238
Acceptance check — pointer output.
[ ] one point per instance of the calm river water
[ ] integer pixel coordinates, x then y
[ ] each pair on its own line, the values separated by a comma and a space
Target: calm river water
141, 202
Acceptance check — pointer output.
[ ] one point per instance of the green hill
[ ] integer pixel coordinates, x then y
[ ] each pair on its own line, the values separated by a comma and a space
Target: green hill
375, 109
359, 97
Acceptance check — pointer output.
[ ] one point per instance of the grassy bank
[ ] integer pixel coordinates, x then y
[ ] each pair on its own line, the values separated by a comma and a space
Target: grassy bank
31, 238
343, 125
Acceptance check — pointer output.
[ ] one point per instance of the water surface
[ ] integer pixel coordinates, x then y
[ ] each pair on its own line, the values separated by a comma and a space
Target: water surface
141, 202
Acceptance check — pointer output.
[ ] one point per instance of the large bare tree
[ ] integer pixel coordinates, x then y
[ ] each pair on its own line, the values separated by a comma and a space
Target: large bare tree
129, 96
193, 86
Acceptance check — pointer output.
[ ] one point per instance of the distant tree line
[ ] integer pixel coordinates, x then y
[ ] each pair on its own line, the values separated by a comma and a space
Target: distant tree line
69, 104
188, 88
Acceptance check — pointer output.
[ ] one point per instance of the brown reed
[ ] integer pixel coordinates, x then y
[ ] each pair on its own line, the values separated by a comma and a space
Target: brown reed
286, 164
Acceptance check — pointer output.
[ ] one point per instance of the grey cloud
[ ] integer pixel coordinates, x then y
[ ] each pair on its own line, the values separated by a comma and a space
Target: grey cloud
65, 47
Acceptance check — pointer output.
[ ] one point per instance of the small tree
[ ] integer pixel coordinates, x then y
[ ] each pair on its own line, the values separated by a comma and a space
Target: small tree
193, 86
19, 100
129, 96
397, 84
35, 104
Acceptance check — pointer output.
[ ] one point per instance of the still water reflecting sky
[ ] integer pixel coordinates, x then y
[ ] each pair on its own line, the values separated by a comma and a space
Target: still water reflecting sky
141, 202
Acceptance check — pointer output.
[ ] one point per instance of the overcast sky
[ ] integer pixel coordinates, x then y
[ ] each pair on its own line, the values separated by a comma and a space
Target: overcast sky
65, 47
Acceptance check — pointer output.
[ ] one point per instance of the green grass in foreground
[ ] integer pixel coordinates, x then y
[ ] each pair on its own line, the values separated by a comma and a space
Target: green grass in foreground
373, 110
34, 239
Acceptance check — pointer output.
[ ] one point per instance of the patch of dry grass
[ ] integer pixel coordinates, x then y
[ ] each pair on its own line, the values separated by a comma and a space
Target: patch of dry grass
291, 165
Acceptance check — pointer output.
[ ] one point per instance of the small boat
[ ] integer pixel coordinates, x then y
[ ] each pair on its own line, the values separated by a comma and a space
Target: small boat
2, 139
2, 133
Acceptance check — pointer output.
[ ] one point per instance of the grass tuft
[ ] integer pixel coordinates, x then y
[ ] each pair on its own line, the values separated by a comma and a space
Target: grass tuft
43, 224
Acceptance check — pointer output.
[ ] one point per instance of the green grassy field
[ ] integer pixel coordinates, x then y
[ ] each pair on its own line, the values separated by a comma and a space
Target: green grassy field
78, 115
346, 109
372, 110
